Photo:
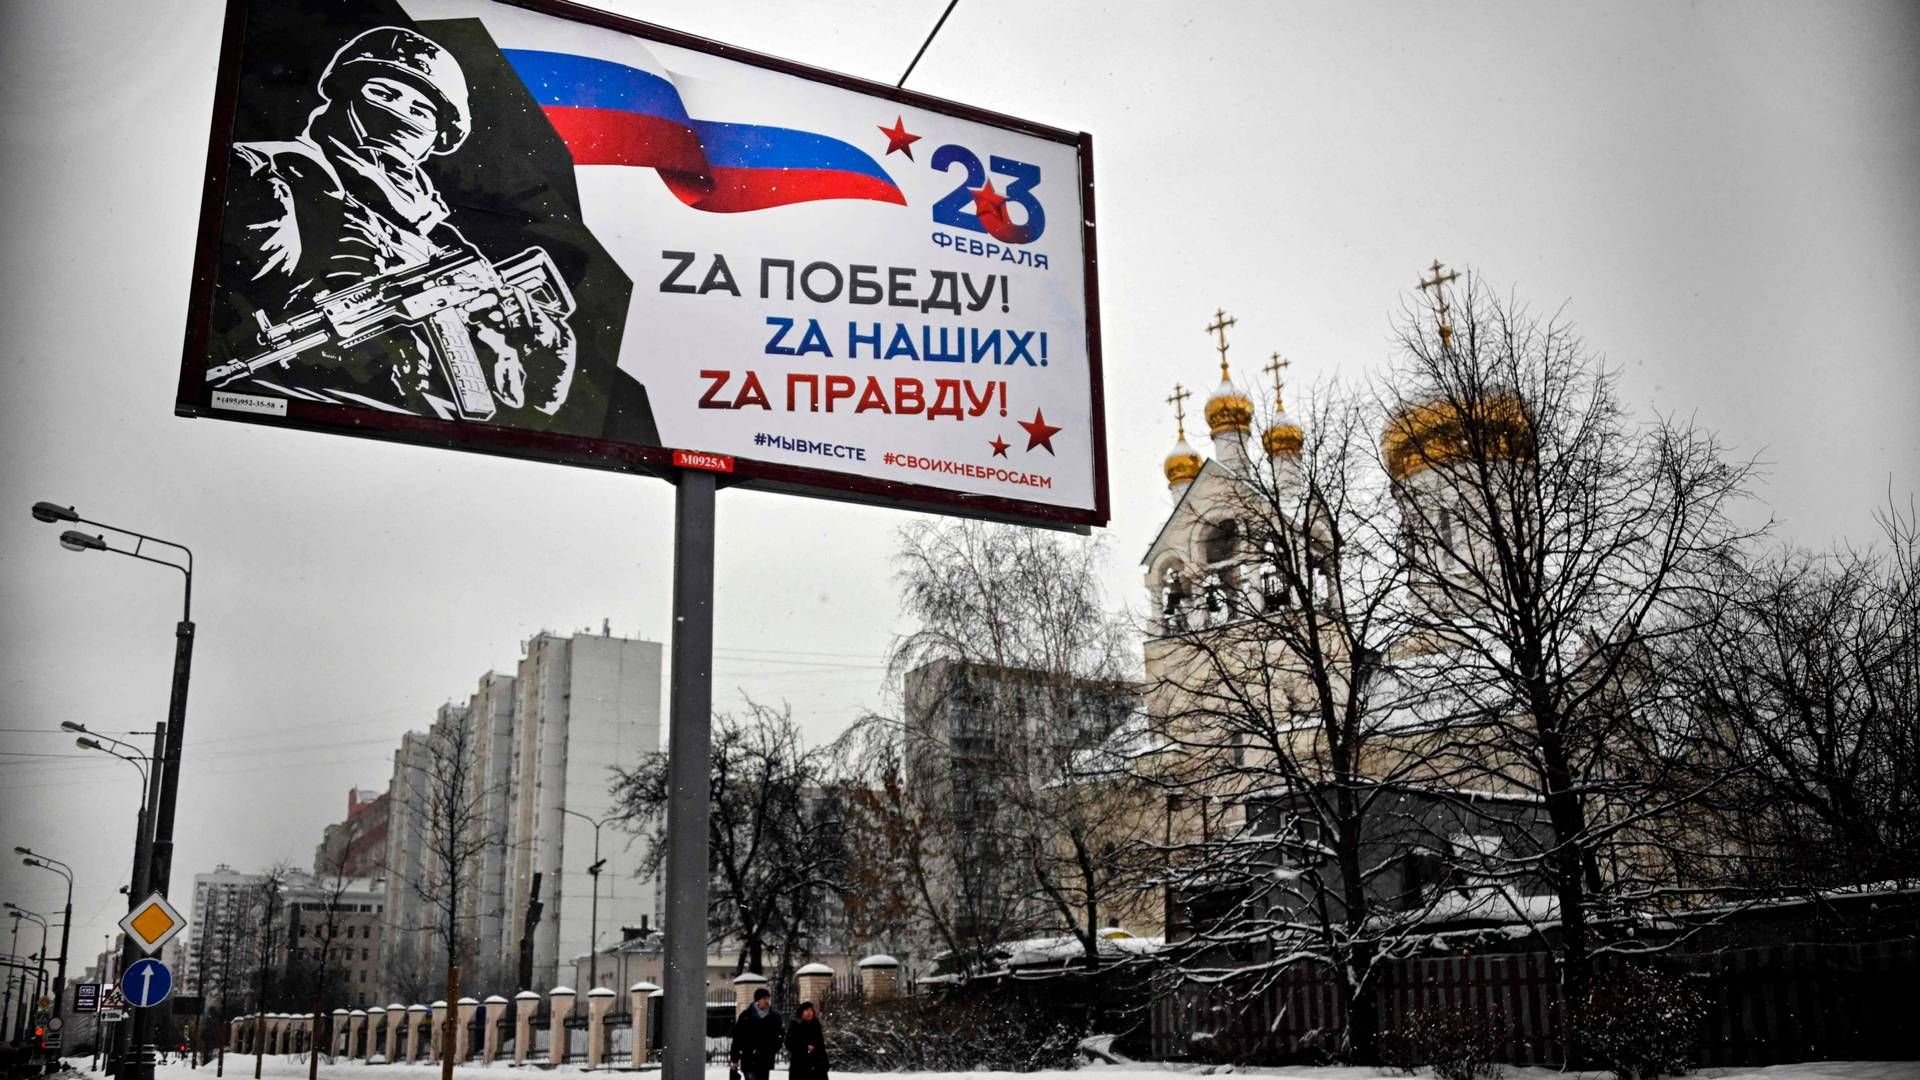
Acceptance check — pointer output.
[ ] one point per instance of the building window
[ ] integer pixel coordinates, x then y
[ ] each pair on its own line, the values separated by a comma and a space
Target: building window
1219, 540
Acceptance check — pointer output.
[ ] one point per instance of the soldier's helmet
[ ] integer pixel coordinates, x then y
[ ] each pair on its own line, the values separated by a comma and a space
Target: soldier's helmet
398, 53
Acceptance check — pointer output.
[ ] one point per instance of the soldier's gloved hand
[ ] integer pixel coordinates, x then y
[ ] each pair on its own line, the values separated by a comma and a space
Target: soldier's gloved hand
533, 349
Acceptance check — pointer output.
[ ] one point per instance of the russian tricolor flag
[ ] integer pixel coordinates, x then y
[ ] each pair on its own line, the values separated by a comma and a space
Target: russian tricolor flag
612, 114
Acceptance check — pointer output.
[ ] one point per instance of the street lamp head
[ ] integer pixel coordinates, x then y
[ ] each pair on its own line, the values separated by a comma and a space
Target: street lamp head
18, 850
85, 743
75, 540
52, 512
69, 725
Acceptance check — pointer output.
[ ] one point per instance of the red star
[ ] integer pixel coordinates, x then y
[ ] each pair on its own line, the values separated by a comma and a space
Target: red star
898, 139
999, 446
991, 208
1039, 432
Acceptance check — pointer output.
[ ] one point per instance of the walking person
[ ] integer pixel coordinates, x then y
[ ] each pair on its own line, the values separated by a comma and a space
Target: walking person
806, 1045
756, 1037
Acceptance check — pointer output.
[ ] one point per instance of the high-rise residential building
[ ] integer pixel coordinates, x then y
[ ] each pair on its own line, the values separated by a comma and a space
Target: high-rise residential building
974, 733
222, 944
584, 705
533, 754
407, 925
355, 846
491, 712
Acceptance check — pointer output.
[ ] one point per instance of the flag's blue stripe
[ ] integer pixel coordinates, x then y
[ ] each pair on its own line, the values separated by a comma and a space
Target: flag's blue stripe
584, 82
751, 146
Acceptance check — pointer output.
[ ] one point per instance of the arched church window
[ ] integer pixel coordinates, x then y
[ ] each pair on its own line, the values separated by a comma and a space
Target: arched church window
1219, 540
1213, 593
1173, 600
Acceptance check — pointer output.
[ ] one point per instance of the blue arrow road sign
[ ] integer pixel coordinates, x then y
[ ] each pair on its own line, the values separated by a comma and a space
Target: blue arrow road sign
147, 983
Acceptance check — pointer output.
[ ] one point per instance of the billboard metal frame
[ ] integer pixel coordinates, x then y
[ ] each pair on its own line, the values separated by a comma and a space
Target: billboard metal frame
193, 397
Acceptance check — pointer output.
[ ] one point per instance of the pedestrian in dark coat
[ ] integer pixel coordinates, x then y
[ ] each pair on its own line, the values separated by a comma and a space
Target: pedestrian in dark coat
806, 1045
756, 1037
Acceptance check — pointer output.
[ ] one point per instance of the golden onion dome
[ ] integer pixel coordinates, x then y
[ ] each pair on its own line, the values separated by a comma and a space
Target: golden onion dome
1182, 464
1439, 433
1283, 437
1228, 409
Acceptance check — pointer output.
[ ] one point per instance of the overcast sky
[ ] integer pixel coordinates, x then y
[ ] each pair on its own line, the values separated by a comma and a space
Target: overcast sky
1723, 195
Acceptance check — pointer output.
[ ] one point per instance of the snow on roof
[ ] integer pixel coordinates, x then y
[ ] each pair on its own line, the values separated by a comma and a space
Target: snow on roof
1491, 903
1048, 950
814, 969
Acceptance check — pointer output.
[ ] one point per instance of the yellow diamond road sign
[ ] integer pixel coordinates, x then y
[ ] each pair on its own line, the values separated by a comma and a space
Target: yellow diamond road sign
152, 923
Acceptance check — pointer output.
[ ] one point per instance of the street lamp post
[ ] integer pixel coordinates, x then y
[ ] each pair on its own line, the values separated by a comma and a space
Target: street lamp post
55, 866
142, 839
149, 791
19, 913
13, 950
593, 919
166, 761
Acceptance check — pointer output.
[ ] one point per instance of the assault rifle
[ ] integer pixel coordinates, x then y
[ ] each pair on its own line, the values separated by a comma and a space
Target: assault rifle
430, 295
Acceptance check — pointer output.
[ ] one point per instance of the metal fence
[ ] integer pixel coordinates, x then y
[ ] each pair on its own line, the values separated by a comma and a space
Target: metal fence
1763, 1006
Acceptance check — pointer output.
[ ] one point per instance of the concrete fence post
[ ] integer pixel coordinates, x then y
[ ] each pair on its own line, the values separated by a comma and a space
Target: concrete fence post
396, 1015
435, 1047
559, 1007
463, 1015
495, 1009
418, 1018
743, 988
337, 1038
814, 983
356, 1032
599, 1000
880, 977
639, 998
525, 1004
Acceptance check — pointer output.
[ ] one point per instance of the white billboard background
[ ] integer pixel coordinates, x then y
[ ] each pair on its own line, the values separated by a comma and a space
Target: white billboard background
671, 337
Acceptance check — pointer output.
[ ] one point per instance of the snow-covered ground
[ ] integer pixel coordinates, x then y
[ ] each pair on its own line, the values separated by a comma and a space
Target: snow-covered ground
289, 1069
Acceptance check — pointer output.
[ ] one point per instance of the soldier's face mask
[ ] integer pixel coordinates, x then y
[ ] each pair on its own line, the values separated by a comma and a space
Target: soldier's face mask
393, 117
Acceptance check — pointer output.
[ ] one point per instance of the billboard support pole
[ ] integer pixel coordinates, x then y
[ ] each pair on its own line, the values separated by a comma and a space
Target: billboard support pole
690, 716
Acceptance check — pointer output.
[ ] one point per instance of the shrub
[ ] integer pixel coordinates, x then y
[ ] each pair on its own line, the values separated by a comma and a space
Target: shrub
1640, 1024
1459, 1043
926, 1034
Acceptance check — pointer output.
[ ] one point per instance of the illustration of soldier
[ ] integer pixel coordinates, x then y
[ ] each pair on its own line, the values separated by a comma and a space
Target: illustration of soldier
340, 248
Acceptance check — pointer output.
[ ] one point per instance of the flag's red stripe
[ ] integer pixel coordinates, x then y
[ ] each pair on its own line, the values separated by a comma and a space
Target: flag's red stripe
617, 137
735, 190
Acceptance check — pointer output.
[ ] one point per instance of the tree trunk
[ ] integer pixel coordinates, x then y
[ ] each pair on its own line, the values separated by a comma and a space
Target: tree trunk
313, 1050
450, 1026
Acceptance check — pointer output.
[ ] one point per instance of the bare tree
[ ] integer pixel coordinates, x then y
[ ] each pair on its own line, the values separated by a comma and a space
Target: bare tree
324, 936
1002, 796
449, 793
1805, 674
266, 910
1550, 541
774, 840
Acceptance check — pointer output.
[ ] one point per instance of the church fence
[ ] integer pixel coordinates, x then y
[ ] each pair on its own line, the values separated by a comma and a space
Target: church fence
1763, 1006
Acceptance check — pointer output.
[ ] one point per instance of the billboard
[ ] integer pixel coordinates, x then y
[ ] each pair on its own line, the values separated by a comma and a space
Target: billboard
539, 230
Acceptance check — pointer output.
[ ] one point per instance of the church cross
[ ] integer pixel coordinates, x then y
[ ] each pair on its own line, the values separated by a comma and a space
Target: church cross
1221, 320
1438, 284
1179, 403
1274, 369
